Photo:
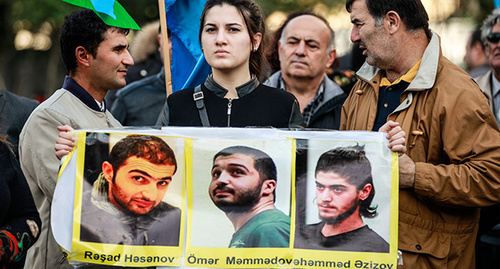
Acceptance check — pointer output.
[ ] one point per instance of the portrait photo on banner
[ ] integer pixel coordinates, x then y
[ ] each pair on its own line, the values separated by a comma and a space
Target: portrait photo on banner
240, 181
132, 190
343, 196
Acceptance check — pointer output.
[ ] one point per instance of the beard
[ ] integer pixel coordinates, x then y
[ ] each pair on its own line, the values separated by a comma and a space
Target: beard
338, 219
242, 201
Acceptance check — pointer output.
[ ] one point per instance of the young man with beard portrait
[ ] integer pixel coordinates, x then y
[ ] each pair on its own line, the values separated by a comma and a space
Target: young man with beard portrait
125, 206
344, 193
243, 186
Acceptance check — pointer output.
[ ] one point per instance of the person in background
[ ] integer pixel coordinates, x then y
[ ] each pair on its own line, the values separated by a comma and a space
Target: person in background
490, 81
14, 111
19, 220
96, 57
232, 35
140, 103
489, 222
343, 71
146, 53
476, 62
450, 168
306, 49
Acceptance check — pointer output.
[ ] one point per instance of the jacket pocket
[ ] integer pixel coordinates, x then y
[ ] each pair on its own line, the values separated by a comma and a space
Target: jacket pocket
421, 241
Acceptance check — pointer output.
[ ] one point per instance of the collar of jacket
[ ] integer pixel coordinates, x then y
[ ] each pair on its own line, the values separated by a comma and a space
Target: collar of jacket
426, 75
242, 90
73, 87
331, 89
161, 76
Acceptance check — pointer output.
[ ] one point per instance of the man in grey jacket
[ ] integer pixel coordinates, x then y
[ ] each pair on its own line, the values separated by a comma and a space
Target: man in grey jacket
96, 57
306, 49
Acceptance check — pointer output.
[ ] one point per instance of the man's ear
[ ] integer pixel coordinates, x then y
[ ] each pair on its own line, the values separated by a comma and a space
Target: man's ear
107, 170
392, 22
331, 57
280, 47
82, 56
364, 193
257, 38
268, 187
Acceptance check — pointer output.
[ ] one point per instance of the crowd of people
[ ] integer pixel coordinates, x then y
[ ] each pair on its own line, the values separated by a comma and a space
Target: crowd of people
442, 122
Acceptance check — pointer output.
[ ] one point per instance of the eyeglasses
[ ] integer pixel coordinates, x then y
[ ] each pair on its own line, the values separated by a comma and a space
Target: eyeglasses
493, 37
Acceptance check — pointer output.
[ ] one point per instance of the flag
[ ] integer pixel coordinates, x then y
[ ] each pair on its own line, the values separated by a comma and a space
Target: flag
188, 66
110, 11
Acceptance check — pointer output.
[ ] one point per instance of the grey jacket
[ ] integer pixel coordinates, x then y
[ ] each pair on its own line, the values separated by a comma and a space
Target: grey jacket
484, 83
40, 164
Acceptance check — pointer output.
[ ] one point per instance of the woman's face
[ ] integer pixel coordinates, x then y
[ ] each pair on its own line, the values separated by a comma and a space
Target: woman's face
225, 40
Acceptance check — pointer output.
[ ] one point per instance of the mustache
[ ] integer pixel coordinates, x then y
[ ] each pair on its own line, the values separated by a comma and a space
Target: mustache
326, 205
225, 188
299, 59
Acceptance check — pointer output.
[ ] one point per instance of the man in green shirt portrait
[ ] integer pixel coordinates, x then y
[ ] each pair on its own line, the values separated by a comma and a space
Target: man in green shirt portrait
243, 186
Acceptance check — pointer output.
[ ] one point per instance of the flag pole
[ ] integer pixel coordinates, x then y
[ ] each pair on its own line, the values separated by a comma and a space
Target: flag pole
165, 47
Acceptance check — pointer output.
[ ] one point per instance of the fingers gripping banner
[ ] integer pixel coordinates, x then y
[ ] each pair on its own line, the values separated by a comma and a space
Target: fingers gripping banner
228, 198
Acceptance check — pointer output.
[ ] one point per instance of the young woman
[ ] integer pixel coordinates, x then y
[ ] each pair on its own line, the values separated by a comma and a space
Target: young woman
232, 36
19, 220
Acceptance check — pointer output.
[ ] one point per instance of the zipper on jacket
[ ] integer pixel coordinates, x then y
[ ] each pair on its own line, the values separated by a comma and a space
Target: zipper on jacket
229, 105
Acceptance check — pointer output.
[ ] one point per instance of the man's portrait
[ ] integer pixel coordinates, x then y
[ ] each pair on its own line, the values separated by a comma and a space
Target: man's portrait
241, 187
125, 204
344, 191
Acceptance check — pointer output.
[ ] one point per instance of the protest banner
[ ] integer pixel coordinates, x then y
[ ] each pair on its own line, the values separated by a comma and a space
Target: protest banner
240, 197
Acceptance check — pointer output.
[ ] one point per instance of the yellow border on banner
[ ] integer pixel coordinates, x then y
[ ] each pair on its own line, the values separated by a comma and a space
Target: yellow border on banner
293, 202
65, 162
77, 215
393, 232
188, 163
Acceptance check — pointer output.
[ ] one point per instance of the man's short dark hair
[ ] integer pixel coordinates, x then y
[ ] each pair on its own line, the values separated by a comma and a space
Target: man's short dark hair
352, 164
151, 148
412, 12
82, 28
263, 163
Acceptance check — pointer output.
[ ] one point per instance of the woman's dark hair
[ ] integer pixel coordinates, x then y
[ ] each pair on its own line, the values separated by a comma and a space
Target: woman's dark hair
254, 21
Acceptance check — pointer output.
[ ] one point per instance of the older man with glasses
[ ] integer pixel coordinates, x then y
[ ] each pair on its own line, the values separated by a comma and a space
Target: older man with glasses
488, 240
490, 82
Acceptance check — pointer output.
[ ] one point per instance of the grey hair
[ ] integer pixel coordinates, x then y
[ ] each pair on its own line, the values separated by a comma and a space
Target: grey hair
488, 24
